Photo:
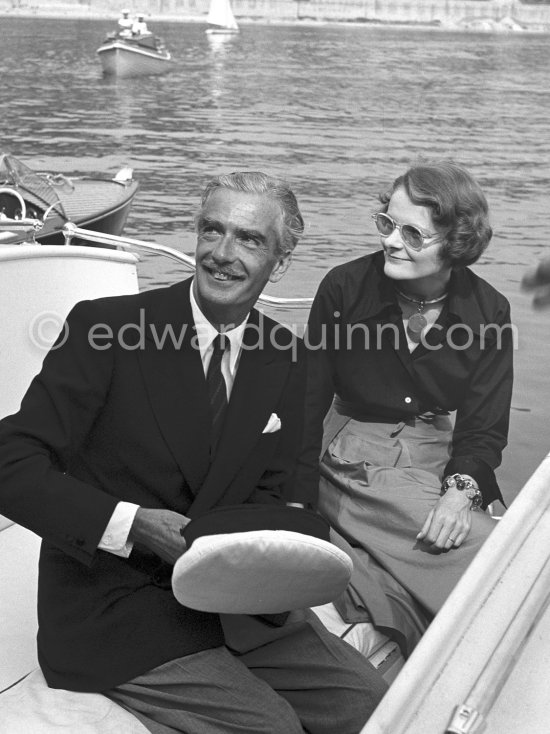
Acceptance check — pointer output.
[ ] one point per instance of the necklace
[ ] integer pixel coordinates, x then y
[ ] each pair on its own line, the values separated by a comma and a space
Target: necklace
417, 322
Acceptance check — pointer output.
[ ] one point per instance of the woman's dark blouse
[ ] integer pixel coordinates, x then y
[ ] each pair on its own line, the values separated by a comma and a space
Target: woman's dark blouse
357, 349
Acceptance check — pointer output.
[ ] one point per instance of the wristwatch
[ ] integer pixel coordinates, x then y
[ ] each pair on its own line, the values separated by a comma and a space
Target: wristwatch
464, 484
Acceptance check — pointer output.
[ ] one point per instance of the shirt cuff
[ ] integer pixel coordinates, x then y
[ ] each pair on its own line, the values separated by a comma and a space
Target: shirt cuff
115, 538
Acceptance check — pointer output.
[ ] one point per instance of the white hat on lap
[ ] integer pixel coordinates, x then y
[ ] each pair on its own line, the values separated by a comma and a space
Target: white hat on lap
259, 559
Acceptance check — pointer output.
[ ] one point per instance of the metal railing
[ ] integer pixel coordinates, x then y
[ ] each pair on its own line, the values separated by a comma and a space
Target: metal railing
71, 231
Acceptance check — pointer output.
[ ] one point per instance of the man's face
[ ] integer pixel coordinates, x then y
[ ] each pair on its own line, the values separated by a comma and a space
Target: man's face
237, 238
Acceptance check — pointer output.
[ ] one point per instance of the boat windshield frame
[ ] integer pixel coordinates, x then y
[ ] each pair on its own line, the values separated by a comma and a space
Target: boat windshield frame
36, 188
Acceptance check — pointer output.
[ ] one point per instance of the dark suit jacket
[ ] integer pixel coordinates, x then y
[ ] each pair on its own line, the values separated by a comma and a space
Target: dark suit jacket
129, 421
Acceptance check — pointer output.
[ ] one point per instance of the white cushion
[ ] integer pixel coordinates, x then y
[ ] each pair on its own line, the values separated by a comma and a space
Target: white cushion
384, 654
19, 549
363, 636
30, 707
260, 572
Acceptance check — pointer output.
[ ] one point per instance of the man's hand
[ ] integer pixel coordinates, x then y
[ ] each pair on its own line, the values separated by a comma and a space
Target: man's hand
449, 522
539, 280
159, 530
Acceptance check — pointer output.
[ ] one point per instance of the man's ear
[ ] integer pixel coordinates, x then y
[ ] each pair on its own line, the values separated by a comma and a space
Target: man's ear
281, 267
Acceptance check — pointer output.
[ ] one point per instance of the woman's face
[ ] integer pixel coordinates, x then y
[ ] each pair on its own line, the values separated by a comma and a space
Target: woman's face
423, 270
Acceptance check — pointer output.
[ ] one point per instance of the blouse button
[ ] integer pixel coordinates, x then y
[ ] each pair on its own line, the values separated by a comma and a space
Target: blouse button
408, 400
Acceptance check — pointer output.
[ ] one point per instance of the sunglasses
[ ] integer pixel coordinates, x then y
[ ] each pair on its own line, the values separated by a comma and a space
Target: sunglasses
412, 236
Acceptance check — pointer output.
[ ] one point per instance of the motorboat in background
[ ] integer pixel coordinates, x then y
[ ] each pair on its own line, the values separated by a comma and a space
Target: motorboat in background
221, 19
123, 56
99, 204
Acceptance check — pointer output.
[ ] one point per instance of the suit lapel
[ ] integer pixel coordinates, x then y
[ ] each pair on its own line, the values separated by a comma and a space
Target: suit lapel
174, 377
261, 375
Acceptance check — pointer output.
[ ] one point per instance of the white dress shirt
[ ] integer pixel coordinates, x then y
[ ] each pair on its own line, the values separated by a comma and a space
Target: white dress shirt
115, 538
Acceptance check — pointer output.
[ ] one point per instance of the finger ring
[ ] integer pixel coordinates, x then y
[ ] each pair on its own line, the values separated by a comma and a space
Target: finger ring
452, 539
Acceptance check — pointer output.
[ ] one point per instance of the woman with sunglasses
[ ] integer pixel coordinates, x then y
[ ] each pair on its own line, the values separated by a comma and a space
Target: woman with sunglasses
411, 371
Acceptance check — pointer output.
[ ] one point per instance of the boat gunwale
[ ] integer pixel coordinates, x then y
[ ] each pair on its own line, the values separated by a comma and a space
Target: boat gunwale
118, 45
10, 253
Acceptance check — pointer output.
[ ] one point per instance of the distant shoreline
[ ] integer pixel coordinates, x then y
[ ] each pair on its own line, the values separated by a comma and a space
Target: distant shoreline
78, 13
97, 14
65, 12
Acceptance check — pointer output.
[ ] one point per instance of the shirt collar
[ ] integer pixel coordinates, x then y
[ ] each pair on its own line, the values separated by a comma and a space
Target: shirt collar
377, 294
464, 305
206, 333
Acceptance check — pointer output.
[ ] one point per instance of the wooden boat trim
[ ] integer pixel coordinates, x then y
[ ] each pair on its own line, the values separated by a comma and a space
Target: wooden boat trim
88, 204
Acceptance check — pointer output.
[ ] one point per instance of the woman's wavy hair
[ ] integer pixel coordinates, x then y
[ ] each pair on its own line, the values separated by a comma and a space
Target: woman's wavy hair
458, 206
256, 182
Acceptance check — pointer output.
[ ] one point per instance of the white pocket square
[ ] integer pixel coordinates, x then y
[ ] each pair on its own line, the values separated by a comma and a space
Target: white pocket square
273, 424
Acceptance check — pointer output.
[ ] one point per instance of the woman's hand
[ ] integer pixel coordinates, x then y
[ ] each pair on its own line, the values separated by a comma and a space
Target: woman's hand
449, 521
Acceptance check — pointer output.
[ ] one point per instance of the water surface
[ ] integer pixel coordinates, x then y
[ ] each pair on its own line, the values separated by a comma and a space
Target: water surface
338, 110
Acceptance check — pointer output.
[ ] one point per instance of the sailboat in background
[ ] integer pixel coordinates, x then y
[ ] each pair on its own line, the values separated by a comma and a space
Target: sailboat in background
221, 18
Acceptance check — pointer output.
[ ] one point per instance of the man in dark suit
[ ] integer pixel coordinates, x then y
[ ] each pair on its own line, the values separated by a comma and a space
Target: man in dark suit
124, 436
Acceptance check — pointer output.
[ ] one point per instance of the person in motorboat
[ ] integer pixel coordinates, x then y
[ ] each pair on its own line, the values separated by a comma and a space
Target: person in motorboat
139, 27
537, 281
139, 420
125, 24
399, 340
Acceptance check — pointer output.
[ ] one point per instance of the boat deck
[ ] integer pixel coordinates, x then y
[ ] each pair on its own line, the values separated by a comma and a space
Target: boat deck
92, 197
91, 202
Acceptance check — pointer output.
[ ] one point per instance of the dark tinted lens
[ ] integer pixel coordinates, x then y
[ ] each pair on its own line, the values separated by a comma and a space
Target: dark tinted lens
412, 236
384, 224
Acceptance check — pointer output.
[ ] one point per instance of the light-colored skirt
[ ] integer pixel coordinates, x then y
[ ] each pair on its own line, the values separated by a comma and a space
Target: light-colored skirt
378, 483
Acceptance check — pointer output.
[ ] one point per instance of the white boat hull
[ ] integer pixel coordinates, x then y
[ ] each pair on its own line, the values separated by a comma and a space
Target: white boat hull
124, 60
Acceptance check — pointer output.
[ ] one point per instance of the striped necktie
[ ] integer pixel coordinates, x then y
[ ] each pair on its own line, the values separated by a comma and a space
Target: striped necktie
217, 391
